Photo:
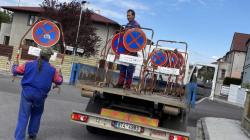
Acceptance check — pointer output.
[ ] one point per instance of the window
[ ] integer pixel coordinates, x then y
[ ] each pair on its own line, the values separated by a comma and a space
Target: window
223, 73
6, 40
31, 19
30, 42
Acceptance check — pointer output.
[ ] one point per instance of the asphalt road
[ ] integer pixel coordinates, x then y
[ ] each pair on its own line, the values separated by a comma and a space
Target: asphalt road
56, 124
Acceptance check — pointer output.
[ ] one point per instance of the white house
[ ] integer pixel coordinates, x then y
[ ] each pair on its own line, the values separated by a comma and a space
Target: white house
232, 63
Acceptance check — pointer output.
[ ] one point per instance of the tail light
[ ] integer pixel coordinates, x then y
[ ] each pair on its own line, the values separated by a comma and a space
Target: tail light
79, 117
177, 137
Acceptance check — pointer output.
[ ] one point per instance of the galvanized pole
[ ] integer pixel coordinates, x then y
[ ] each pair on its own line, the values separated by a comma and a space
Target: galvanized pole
76, 44
79, 24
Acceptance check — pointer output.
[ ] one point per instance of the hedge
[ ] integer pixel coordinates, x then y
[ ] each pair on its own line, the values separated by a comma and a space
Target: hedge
229, 80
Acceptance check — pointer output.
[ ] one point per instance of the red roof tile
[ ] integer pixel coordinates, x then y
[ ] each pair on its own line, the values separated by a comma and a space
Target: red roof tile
239, 42
23, 9
95, 17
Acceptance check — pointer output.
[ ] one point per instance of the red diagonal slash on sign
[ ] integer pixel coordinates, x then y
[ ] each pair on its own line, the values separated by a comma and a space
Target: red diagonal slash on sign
134, 40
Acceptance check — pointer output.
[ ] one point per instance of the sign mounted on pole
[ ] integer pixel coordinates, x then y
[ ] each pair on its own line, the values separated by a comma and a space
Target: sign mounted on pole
45, 33
134, 40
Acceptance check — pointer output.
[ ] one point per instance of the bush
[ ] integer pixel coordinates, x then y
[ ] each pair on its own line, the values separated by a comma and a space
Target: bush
229, 80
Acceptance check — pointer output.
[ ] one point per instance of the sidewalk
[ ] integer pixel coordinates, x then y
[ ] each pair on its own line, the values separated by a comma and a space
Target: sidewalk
223, 99
222, 129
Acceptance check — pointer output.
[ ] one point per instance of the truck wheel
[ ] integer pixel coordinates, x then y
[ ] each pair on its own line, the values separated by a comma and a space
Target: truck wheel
92, 130
98, 131
94, 106
175, 122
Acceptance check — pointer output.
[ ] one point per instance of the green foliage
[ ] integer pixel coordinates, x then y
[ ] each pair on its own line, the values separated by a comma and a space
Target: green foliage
4, 17
246, 85
235, 81
68, 14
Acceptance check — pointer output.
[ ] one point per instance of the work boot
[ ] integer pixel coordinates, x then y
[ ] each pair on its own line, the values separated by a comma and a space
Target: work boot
118, 86
127, 87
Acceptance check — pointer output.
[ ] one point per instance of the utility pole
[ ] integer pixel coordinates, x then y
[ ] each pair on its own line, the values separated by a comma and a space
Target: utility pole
76, 45
79, 24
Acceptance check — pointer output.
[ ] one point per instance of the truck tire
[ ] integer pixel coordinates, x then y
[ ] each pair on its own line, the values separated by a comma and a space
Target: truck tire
175, 122
95, 106
92, 130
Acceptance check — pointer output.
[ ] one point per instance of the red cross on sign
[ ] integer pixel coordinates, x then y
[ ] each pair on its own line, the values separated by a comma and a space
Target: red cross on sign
134, 40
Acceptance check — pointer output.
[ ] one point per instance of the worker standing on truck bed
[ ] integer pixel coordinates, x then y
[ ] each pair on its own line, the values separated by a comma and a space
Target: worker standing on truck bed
126, 72
38, 76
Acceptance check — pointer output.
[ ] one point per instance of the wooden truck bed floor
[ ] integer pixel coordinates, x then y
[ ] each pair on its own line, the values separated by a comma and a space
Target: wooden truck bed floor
164, 99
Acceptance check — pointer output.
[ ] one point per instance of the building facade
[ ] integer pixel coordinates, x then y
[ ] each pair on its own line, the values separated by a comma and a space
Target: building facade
246, 73
24, 17
232, 63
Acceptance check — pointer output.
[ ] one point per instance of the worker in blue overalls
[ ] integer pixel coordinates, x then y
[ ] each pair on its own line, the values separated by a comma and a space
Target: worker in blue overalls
192, 89
38, 76
126, 72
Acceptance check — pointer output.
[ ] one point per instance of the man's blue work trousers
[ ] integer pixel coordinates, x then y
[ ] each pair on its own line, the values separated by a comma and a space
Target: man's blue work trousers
31, 109
126, 73
192, 88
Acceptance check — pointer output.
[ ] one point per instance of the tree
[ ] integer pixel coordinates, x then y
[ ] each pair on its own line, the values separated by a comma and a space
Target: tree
4, 17
68, 15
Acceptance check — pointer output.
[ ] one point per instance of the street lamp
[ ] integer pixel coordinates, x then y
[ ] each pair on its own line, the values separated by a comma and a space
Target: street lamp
79, 24
76, 45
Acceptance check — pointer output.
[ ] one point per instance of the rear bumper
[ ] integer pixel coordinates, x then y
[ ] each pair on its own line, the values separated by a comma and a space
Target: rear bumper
153, 133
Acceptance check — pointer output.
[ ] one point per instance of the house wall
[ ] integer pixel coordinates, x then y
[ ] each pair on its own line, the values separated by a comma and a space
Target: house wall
238, 64
246, 76
5, 31
102, 31
233, 64
229, 60
219, 82
19, 27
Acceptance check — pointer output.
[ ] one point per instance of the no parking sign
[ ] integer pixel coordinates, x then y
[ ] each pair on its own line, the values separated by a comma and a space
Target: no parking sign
134, 40
117, 44
45, 33
158, 58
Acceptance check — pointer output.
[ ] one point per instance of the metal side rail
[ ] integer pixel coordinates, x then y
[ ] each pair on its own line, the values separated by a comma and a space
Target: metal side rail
120, 126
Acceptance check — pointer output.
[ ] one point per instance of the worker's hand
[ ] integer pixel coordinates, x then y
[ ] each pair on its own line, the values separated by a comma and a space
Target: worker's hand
14, 66
117, 57
55, 86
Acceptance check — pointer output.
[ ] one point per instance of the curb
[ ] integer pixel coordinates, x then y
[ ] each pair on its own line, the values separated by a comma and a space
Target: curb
246, 132
226, 102
199, 131
204, 127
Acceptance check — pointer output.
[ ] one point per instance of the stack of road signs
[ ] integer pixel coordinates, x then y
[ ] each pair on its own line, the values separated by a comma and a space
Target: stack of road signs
167, 58
158, 58
133, 40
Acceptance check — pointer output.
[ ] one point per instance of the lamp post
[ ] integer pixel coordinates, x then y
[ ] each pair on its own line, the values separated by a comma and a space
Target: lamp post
74, 66
79, 24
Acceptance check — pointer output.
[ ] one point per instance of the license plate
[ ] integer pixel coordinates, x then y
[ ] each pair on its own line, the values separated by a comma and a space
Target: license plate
127, 126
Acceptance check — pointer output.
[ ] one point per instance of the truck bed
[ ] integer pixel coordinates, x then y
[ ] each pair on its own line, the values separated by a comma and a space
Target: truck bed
164, 99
